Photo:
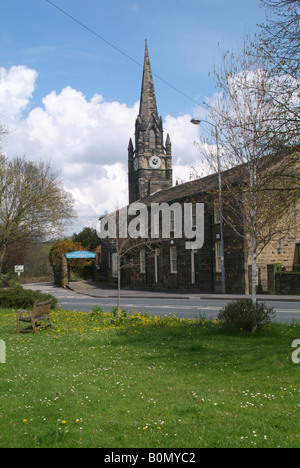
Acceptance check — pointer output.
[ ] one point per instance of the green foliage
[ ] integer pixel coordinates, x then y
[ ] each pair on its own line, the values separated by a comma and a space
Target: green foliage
88, 238
245, 315
97, 311
19, 298
278, 267
9, 280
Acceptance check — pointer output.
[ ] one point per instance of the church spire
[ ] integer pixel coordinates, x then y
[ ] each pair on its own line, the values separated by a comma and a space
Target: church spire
148, 104
150, 163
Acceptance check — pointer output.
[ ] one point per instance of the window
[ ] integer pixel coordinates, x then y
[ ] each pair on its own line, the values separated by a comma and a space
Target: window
173, 259
143, 261
190, 209
217, 216
218, 258
115, 269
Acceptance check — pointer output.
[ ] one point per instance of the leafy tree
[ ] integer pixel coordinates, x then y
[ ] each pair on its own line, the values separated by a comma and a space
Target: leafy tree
88, 238
33, 203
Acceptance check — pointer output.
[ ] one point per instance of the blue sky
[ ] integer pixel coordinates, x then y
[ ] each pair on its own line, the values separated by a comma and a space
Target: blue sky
69, 97
183, 37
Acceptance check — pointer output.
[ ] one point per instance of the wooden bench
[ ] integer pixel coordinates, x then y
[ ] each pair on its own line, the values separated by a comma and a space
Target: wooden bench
40, 313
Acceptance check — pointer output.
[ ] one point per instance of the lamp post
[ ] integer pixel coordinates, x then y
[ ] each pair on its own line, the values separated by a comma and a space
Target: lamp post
198, 122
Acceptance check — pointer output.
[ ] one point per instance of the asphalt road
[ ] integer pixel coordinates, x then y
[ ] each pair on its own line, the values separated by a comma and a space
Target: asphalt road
286, 312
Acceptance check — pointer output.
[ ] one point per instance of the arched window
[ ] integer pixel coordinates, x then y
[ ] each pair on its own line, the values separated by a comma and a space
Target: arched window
152, 139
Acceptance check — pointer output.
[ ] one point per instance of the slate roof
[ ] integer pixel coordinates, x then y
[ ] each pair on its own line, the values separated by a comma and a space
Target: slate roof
190, 189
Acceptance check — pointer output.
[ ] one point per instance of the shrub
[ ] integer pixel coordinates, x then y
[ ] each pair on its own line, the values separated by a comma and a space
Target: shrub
19, 298
245, 315
9, 280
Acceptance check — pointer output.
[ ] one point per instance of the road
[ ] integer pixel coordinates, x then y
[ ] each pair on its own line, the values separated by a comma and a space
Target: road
286, 312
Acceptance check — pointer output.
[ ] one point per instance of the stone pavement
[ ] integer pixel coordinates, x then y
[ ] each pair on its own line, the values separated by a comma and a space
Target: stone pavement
101, 290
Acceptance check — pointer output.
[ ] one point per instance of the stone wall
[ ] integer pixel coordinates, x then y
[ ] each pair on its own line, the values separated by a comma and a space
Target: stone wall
287, 283
282, 249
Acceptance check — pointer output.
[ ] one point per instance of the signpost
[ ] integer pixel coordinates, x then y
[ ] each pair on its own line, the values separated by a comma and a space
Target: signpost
19, 269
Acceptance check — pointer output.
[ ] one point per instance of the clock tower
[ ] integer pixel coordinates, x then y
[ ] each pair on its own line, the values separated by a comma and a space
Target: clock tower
150, 163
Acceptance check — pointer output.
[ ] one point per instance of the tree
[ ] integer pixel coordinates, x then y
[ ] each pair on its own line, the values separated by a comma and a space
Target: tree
280, 36
260, 188
33, 203
279, 45
88, 238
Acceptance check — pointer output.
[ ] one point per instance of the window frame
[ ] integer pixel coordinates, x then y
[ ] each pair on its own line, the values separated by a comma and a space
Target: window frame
173, 260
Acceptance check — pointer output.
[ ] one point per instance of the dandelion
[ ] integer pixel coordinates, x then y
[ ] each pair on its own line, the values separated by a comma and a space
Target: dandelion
24, 420
64, 422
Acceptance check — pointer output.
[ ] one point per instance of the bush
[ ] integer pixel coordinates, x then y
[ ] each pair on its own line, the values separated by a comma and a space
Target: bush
245, 315
19, 298
9, 280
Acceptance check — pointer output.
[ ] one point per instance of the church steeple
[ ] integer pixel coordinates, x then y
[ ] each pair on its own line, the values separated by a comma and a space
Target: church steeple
148, 104
150, 163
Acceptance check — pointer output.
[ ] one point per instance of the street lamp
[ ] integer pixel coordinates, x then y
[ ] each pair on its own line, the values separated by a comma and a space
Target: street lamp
198, 122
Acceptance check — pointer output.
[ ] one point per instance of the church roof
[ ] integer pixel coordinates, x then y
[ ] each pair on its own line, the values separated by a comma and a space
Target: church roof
188, 190
183, 191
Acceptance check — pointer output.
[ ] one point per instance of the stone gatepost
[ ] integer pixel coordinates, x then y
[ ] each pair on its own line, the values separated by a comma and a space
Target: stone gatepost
64, 272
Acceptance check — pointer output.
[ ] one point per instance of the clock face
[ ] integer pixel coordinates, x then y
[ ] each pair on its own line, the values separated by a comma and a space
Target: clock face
136, 164
155, 162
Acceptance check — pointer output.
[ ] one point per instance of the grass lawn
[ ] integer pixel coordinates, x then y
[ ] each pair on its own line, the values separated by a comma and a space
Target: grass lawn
97, 381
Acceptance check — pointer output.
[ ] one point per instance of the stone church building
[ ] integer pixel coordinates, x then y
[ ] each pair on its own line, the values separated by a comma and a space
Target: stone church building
168, 265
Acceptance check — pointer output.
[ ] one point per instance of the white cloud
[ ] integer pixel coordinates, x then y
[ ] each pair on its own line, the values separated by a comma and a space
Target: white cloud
86, 140
16, 89
183, 135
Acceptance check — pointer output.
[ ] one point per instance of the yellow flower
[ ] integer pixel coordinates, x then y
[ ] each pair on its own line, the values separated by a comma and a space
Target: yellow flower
24, 420
64, 422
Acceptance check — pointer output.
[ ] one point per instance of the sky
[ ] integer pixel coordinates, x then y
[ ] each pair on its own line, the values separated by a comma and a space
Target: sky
71, 98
